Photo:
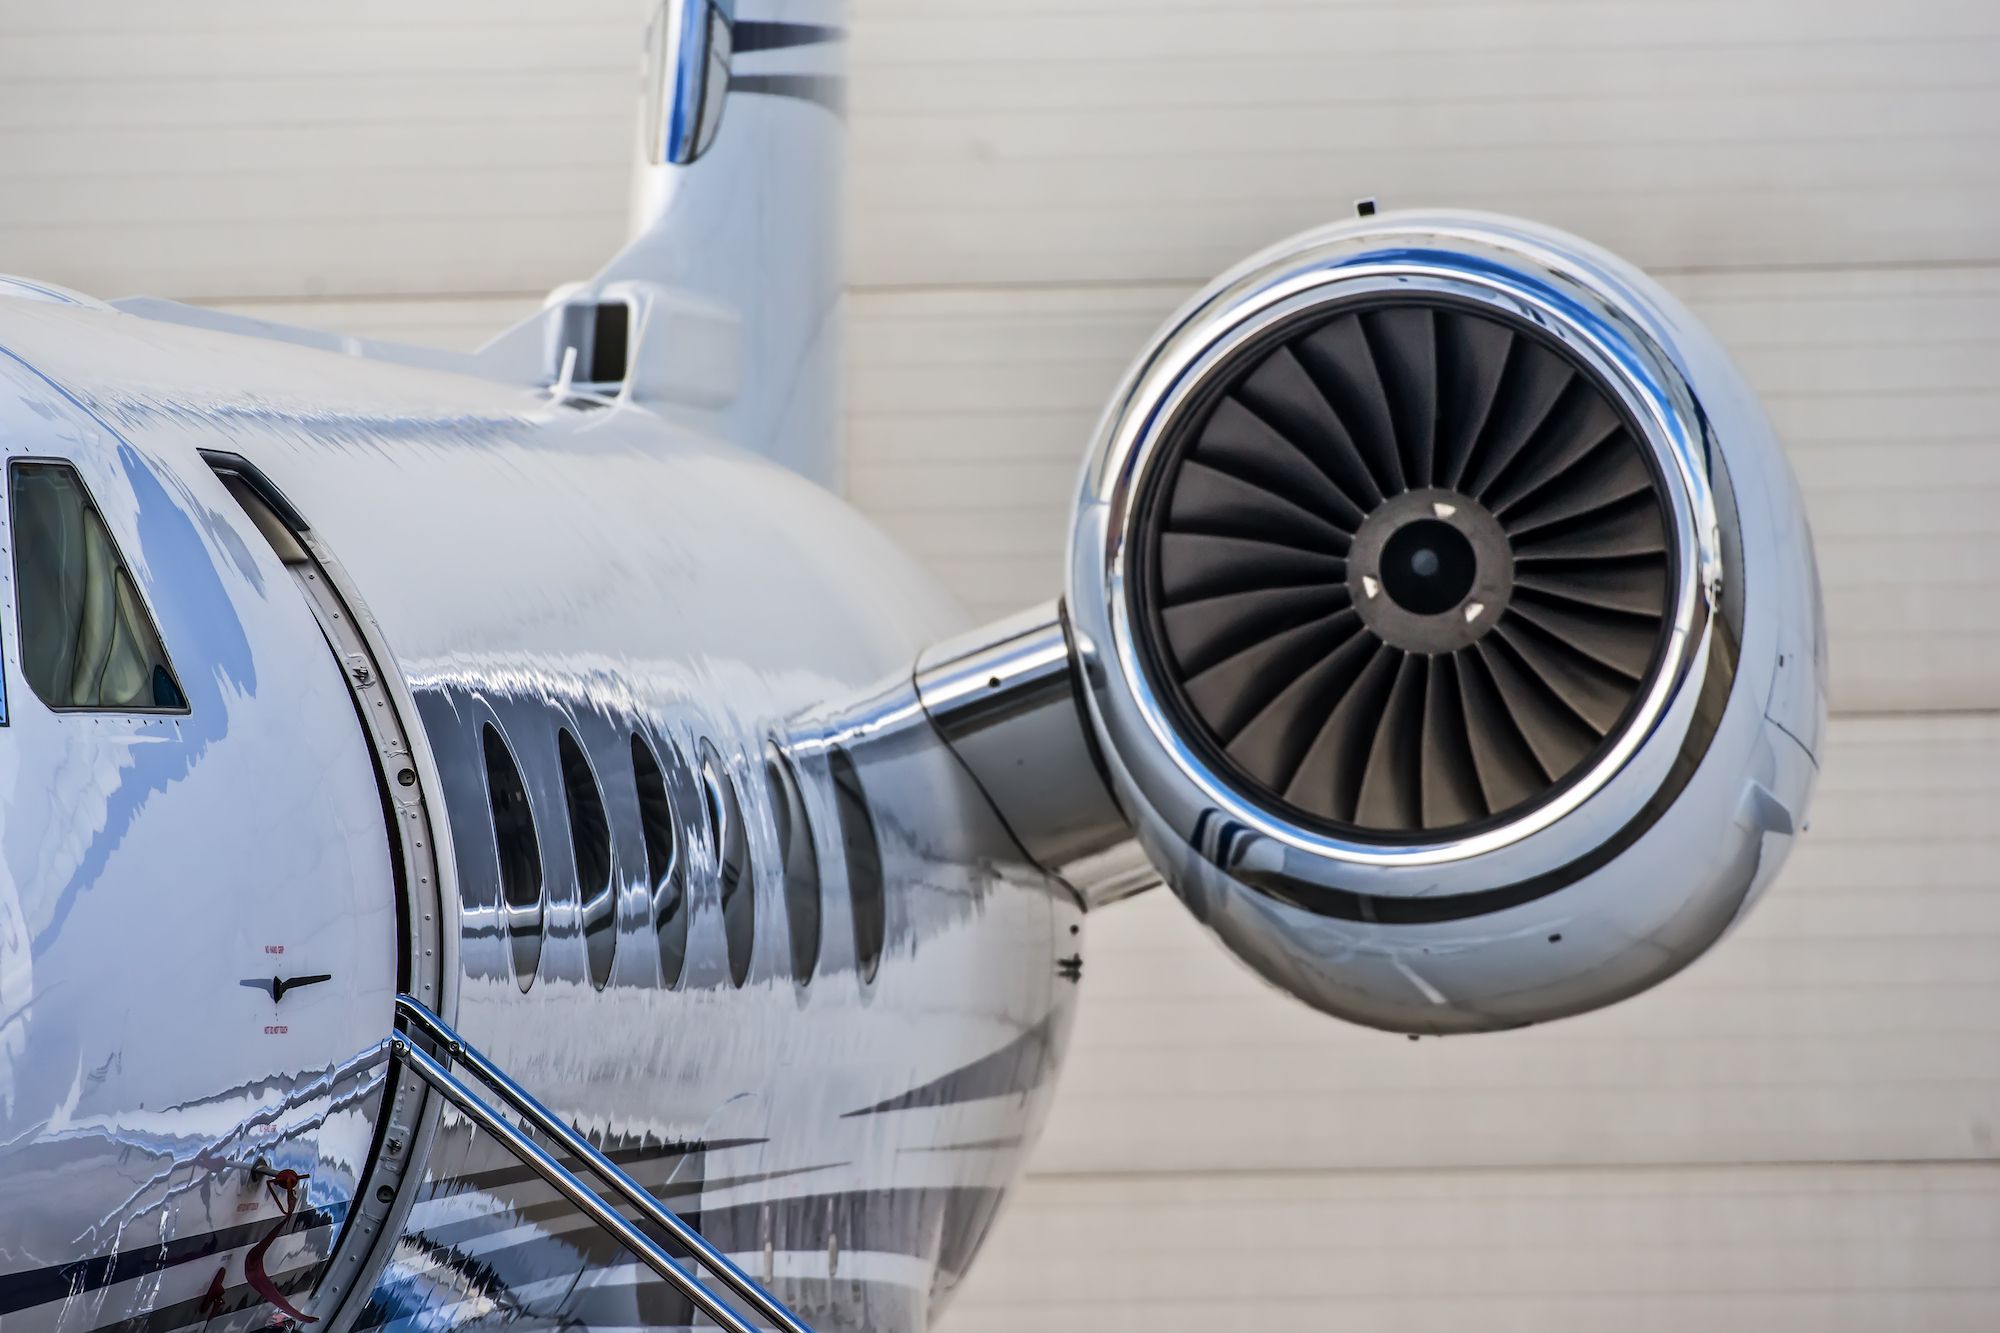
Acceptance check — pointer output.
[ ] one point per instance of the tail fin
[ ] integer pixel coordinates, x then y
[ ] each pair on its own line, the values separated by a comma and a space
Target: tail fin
724, 307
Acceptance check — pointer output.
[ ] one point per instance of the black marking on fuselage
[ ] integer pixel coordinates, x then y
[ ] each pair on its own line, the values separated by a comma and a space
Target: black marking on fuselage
978, 1145
276, 987
896, 1221
884, 1221
501, 1177
199, 1310
747, 35
1013, 1070
679, 1195
827, 90
39, 1286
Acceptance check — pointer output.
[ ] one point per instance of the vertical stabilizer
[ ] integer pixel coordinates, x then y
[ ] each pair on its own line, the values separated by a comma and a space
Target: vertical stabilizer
723, 308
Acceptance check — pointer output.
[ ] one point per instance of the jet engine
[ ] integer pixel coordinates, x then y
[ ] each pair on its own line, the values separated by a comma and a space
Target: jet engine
1444, 625
1447, 623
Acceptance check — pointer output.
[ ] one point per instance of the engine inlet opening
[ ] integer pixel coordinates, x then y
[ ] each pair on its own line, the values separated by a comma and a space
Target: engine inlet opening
1405, 569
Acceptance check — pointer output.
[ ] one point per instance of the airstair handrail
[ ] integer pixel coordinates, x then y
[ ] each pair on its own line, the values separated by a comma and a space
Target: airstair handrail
592, 1204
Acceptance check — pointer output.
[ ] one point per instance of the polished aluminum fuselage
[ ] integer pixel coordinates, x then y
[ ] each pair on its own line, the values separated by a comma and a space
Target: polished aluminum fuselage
537, 565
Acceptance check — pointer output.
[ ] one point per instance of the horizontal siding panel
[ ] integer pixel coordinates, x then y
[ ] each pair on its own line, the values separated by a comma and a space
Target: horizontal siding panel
497, 102
970, 412
226, 149
1116, 143
40, 155
186, 47
1855, 1016
1149, 145
1747, 1250
956, 31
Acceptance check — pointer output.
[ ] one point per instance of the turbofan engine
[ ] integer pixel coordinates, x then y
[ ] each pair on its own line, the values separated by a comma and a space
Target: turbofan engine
1444, 623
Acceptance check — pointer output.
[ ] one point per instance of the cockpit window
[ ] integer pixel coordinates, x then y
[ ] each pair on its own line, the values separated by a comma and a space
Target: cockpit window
87, 640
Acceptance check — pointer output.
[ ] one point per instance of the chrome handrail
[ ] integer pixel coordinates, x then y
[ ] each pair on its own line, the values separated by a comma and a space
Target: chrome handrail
544, 1164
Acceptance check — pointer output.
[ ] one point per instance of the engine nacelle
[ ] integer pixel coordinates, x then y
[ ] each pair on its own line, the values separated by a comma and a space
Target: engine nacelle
1448, 623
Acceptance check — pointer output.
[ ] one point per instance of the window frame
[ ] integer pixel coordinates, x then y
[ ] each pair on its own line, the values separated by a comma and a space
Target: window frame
144, 603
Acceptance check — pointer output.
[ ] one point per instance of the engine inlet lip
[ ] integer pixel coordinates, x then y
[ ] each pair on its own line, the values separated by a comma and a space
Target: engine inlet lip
1617, 344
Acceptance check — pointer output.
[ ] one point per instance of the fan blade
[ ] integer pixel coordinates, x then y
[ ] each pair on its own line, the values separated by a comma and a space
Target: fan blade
1194, 565
1451, 794
1630, 528
1204, 633
1392, 780
1405, 347
1594, 693
1602, 479
1285, 395
1233, 691
1558, 737
1272, 744
1536, 378
1623, 643
1238, 441
1581, 422
1205, 500
1329, 777
1472, 361
1342, 364
1637, 587
1507, 769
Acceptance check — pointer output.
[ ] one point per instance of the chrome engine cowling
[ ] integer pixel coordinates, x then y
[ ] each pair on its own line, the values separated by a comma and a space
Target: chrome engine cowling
1448, 623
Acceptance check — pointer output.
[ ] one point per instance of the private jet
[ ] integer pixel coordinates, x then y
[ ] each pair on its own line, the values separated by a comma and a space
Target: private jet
494, 839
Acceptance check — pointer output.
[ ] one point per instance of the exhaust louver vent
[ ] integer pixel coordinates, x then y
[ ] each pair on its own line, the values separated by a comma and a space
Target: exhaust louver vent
1407, 571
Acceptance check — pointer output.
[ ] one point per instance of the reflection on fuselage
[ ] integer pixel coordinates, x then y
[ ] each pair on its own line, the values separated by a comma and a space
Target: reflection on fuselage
847, 1128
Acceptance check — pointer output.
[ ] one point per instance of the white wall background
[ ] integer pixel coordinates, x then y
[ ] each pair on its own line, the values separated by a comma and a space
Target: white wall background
1798, 1133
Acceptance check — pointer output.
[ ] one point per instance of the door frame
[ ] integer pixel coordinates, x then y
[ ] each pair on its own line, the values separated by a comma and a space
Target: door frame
414, 816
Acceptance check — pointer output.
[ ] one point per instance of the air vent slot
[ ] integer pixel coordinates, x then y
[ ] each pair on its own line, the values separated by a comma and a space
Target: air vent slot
596, 345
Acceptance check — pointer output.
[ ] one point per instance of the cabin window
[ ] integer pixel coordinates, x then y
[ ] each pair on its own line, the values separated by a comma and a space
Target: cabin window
590, 842
732, 861
800, 862
87, 639
664, 877
520, 857
864, 863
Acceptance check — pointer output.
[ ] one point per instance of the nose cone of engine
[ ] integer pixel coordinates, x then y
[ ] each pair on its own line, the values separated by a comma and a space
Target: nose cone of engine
1450, 623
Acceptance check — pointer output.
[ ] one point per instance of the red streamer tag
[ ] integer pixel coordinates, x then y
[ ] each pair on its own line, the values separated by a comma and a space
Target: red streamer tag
260, 1282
